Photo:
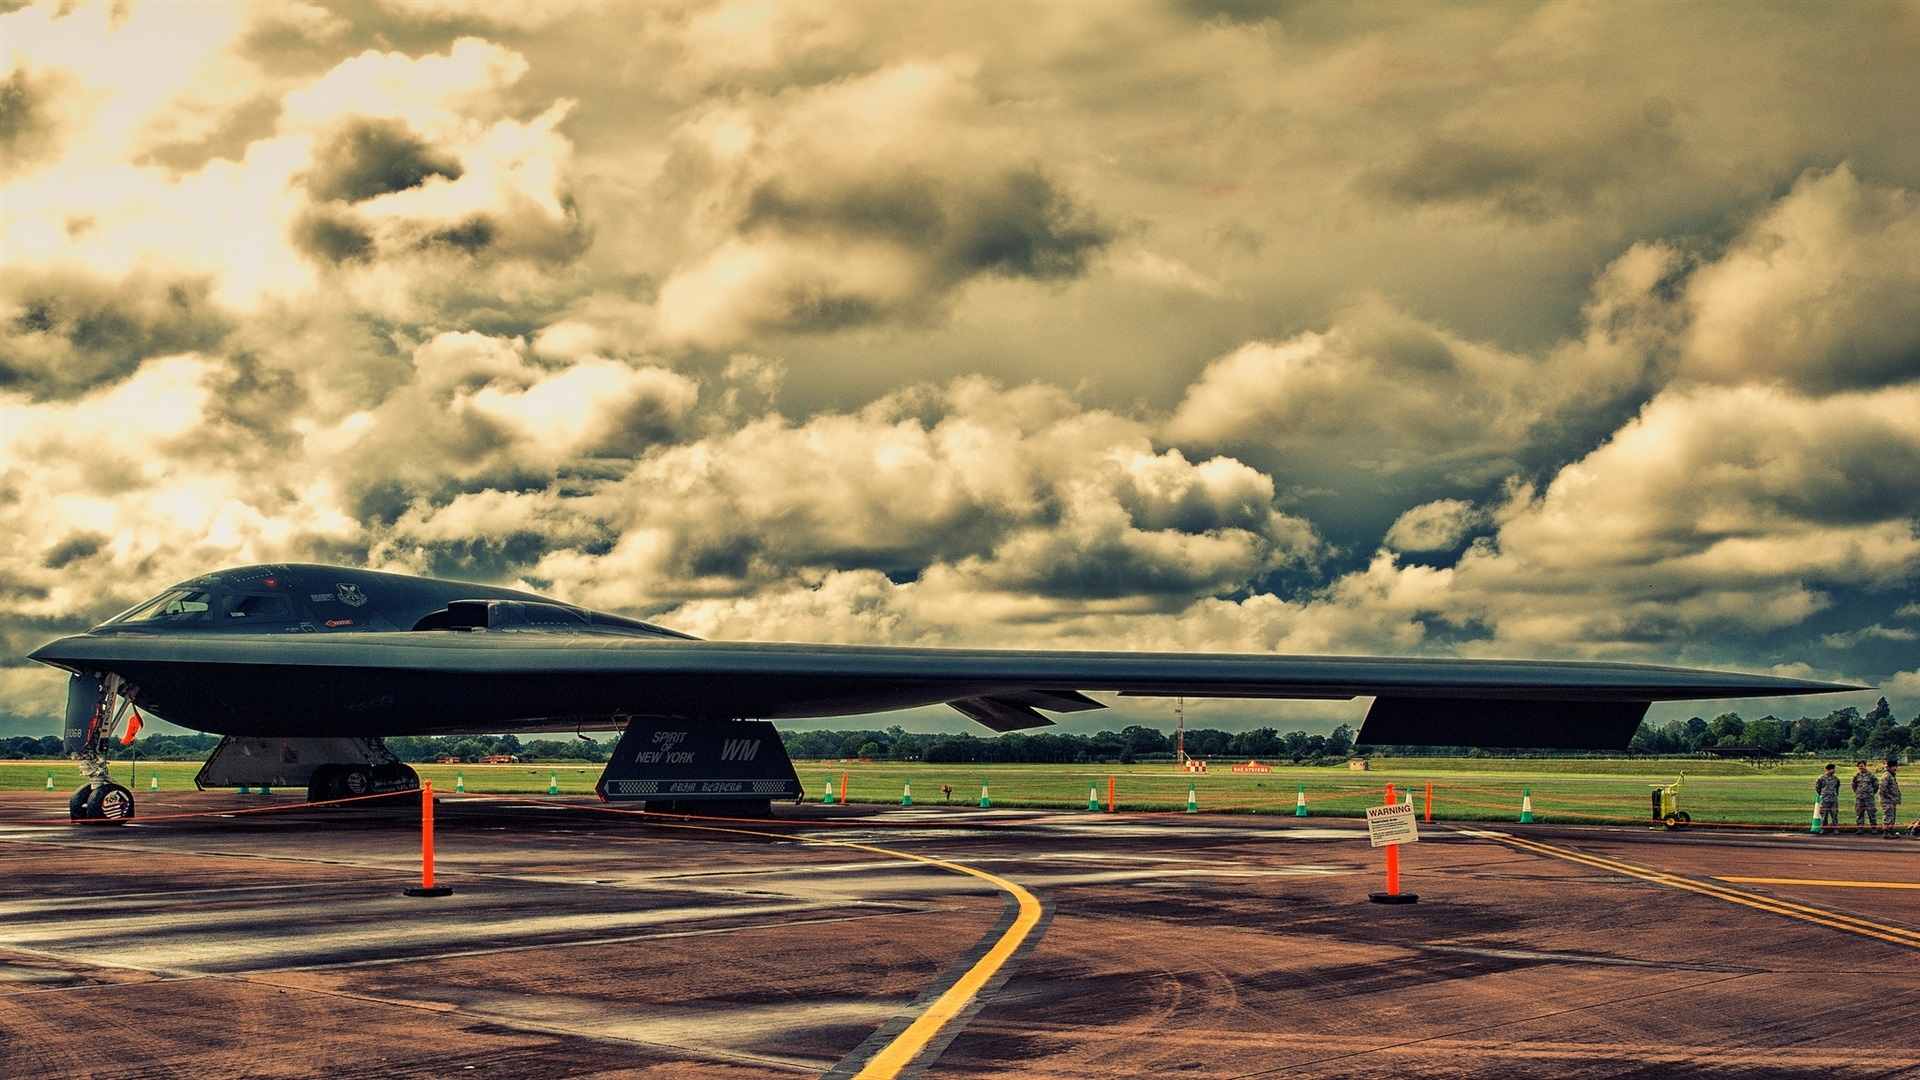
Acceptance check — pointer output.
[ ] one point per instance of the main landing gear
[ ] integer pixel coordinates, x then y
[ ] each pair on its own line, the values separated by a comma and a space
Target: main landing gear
357, 781
327, 768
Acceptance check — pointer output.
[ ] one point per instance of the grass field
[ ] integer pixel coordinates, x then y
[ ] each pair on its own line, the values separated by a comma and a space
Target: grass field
1464, 789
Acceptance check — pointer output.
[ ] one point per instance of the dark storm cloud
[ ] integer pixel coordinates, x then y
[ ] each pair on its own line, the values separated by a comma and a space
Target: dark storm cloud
332, 234
495, 558
238, 128
63, 332
29, 133
254, 402
371, 157
78, 546
1018, 224
1531, 174
1023, 225
471, 236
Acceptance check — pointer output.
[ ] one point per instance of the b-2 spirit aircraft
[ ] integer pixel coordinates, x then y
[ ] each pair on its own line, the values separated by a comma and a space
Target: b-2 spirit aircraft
307, 669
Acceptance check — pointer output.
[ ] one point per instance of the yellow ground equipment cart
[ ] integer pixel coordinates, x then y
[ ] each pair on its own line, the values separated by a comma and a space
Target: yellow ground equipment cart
1664, 809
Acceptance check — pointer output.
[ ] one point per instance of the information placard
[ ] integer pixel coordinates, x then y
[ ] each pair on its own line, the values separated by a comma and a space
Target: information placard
1391, 825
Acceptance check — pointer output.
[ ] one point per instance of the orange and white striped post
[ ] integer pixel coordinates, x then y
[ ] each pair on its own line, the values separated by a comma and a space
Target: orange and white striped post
1110, 802
426, 886
1429, 802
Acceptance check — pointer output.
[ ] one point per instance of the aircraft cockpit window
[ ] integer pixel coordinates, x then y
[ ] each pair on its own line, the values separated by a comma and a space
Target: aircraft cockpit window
173, 606
260, 609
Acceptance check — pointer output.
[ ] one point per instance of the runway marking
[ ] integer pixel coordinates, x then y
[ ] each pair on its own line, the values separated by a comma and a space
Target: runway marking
1896, 935
624, 939
1823, 881
895, 1057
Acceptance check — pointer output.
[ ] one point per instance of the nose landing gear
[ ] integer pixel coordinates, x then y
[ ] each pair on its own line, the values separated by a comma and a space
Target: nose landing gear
94, 709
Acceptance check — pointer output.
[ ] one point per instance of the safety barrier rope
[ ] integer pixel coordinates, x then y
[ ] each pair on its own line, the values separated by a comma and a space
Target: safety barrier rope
1443, 797
389, 796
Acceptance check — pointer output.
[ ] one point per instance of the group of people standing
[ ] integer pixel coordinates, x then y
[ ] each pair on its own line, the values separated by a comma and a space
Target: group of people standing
1868, 790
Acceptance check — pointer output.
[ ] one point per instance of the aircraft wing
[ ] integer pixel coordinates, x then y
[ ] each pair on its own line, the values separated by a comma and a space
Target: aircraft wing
398, 683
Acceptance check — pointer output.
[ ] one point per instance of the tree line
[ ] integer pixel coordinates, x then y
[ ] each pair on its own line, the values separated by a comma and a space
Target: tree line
1124, 747
469, 748
1842, 733
150, 748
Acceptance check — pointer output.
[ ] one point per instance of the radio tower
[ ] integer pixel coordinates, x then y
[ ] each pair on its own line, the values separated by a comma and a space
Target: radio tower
1180, 732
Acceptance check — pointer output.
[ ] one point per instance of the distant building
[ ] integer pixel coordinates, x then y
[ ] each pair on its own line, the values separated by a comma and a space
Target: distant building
1358, 764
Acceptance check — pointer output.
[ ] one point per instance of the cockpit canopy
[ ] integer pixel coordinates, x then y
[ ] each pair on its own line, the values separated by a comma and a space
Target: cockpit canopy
196, 605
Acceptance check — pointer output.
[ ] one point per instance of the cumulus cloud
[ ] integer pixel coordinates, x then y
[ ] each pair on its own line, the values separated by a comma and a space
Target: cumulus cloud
1903, 687
1008, 491
1383, 393
1533, 170
1716, 510
1822, 291
64, 332
478, 412
1876, 632
1435, 526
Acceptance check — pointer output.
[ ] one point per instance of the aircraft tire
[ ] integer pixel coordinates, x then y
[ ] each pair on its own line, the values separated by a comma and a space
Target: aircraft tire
353, 782
396, 777
110, 803
320, 785
77, 806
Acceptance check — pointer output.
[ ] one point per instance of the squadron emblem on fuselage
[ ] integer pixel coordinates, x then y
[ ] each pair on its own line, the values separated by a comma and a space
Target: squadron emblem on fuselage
349, 595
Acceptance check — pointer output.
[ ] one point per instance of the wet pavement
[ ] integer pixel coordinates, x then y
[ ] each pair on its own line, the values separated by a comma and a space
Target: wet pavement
582, 943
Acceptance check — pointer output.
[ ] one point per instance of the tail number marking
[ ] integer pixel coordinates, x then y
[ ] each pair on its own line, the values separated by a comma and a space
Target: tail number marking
739, 749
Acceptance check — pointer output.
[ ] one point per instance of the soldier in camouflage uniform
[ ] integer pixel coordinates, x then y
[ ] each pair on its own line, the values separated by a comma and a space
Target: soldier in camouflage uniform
1826, 791
1865, 789
1889, 797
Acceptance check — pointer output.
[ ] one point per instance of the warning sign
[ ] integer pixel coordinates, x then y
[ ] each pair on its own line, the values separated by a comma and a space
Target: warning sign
1391, 825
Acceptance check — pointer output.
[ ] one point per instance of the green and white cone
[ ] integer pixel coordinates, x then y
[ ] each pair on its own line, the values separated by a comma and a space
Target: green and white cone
985, 800
1526, 806
1193, 798
906, 793
1300, 802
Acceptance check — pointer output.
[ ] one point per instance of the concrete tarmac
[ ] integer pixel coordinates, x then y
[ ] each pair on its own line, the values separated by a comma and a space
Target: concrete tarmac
585, 944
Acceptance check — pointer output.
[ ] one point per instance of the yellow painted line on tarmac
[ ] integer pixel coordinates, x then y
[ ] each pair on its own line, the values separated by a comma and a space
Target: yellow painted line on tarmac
901, 1052
1823, 881
1819, 916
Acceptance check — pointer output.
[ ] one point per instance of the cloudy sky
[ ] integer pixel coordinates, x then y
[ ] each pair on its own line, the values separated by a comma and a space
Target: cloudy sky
1560, 329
